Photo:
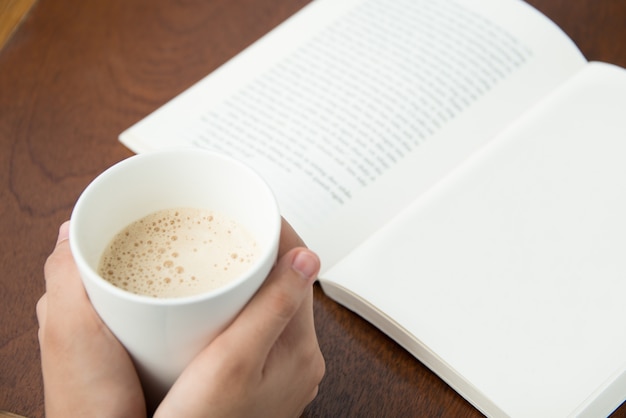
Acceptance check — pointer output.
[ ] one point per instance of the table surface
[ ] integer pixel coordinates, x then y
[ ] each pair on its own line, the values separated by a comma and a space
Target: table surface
75, 74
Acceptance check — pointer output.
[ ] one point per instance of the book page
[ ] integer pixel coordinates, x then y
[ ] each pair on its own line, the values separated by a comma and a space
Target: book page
352, 108
507, 279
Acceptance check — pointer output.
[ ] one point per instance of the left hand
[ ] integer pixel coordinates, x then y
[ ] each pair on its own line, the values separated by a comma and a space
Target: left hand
86, 371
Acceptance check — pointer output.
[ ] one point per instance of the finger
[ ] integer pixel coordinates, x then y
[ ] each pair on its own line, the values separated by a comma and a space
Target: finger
60, 269
64, 289
64, 232
289, 239
63, 236
299, 330
41, 309
263, 320
42, 303
297, 348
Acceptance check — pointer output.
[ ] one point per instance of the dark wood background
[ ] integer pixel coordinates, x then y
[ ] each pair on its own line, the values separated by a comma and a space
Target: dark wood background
77, 73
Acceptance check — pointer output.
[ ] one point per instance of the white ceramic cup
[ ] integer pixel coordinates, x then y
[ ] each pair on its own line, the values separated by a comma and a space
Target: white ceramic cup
163, 335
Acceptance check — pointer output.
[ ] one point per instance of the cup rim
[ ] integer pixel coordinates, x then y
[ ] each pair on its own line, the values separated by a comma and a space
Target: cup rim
268, 253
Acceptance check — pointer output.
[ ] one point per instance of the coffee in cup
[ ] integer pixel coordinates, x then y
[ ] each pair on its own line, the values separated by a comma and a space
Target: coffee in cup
178, 252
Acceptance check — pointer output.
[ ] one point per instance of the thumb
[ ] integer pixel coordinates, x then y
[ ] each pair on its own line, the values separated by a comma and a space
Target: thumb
267, 314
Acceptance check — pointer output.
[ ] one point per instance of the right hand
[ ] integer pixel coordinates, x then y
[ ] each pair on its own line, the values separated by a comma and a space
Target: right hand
268, 361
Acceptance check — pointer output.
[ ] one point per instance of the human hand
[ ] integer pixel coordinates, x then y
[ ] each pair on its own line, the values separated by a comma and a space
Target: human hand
268, 361
86, 371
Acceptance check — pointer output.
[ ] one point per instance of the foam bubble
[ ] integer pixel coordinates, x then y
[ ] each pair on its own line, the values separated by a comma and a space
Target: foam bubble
204, 245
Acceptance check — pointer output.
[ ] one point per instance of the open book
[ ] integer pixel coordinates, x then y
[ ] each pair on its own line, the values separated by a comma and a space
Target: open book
460, 168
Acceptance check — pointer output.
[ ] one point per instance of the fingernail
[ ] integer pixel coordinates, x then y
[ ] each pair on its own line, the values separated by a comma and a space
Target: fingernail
64, 232
306, 263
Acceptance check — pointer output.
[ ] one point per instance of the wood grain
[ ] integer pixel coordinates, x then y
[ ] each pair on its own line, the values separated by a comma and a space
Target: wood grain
76, 73
11, 14
5, 414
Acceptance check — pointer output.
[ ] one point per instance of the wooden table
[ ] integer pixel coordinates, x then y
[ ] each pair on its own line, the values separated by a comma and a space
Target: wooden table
77, 73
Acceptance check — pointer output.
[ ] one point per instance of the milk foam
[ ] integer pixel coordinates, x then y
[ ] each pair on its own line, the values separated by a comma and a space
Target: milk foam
178, 252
